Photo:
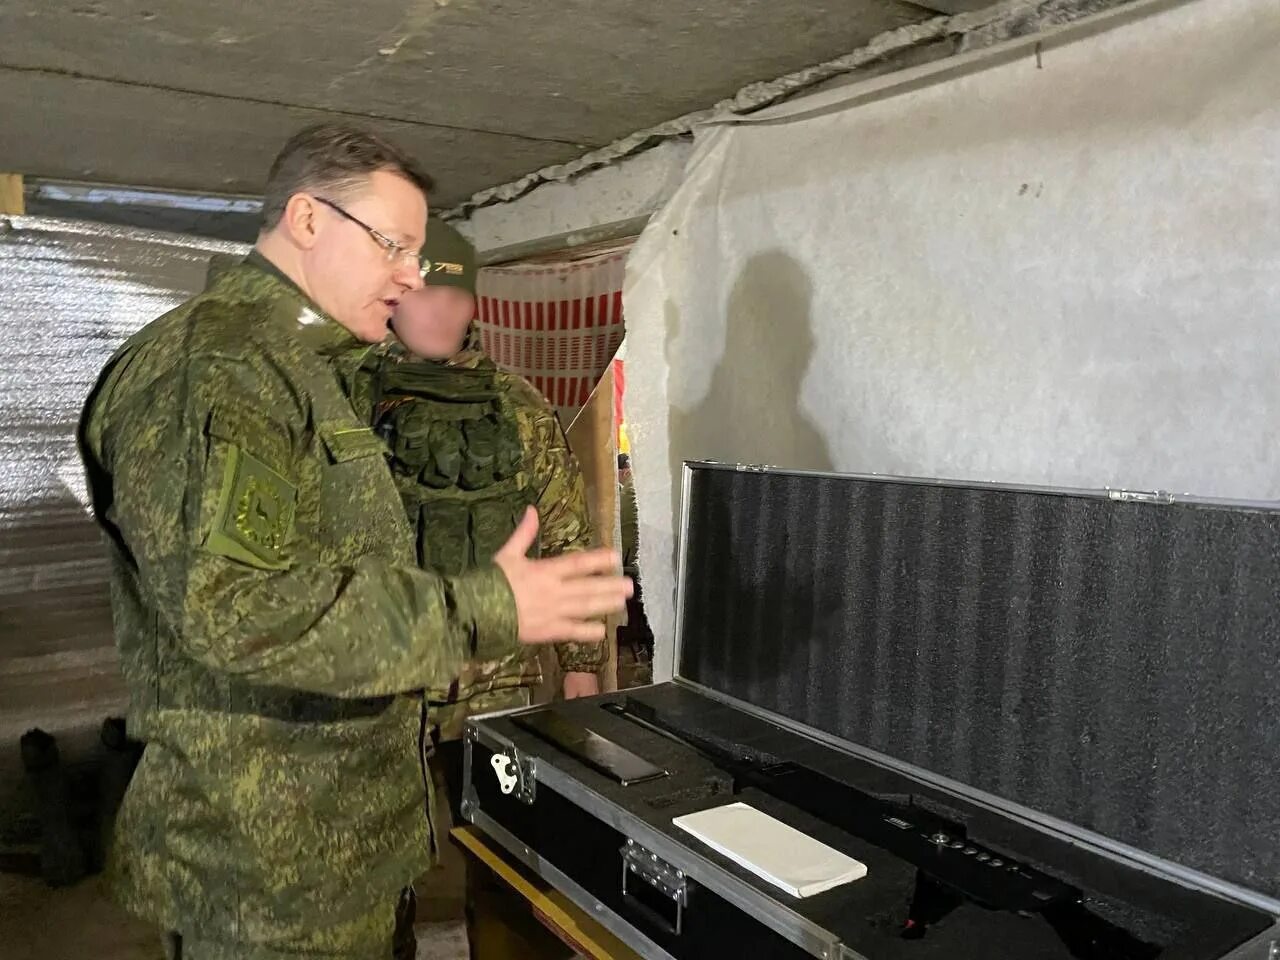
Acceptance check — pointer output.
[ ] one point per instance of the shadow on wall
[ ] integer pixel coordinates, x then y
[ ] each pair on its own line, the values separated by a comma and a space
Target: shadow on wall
751, 413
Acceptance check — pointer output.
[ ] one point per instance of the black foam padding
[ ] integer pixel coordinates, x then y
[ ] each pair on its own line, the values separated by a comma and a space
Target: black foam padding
867, 915
1113, 664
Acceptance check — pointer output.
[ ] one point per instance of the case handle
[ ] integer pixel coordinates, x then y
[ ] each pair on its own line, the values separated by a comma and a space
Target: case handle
653, 888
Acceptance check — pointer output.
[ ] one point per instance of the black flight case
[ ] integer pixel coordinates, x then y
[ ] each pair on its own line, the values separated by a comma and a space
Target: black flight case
1045, 720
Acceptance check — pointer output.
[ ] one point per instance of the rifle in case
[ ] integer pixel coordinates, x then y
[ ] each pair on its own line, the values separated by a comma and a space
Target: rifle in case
1043, 720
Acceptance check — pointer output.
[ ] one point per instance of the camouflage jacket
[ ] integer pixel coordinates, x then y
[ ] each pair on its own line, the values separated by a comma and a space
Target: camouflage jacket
271, 620
546, 472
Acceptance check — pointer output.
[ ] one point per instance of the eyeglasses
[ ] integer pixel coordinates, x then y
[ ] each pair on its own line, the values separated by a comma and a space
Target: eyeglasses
394, 251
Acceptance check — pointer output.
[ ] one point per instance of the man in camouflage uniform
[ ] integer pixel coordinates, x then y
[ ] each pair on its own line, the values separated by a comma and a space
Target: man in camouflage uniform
272, 623
472, 448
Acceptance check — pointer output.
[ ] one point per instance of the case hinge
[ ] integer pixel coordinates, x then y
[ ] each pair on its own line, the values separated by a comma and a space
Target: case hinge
641, 866
1140, 496
517, 774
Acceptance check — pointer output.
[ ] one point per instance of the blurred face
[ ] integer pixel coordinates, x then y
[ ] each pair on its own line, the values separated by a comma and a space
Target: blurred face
354, 277
432, 322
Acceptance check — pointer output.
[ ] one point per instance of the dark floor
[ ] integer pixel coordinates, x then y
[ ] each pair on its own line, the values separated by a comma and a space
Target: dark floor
81, 922
40, 923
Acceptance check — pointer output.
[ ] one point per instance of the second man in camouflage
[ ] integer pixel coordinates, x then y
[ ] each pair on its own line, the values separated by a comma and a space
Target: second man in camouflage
472, 448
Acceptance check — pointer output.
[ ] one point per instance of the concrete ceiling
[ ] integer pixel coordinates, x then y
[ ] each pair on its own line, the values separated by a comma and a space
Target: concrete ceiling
199, 96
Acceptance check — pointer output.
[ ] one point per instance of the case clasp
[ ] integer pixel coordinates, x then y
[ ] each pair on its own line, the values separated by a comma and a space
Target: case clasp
517, 774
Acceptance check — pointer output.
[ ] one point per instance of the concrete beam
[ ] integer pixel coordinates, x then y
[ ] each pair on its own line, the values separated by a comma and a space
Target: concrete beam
949, 7
635, 168
187, 96
572, 213
106, 132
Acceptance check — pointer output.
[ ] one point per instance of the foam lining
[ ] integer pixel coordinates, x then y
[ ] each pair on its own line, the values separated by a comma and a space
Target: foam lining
867, 916
1113, 664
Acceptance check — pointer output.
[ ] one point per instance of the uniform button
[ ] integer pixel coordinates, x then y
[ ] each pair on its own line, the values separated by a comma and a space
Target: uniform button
970, 851
984, 857
997, 862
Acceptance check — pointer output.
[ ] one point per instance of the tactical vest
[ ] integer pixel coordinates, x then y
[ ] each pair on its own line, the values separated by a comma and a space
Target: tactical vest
457, 459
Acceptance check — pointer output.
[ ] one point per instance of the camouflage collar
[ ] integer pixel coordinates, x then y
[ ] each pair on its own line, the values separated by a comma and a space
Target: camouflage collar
259, 278
470, 357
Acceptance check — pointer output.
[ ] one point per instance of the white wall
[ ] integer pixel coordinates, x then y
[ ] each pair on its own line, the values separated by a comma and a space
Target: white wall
1062, 268
618, 184
635, 186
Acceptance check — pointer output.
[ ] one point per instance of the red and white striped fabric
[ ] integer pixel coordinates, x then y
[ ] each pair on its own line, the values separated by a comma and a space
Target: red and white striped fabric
556, 324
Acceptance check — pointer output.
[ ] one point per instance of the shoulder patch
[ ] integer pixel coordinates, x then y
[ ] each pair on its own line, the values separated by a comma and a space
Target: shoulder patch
254, 519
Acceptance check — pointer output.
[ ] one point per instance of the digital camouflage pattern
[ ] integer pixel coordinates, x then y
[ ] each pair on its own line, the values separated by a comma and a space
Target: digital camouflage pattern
449, 720
472, 446
272, 623
368, 935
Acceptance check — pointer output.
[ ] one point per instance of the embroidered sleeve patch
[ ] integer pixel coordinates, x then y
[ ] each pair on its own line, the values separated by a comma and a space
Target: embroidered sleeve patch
254, 519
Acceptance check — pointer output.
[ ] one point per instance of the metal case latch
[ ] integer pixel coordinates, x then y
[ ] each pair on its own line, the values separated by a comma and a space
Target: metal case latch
654, 887
516, 775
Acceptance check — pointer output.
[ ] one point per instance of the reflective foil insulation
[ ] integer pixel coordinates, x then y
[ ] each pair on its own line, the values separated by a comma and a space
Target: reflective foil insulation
70, 293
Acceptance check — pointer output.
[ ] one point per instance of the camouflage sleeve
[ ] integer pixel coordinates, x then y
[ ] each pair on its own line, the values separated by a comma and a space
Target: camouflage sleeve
367, 629
564, 521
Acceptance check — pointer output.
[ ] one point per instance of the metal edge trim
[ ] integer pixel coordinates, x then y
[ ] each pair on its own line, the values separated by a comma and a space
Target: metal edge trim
1080, 836
606, 917
806, 935
468, 789
495, 714
677, 640
489, 739
1105, 493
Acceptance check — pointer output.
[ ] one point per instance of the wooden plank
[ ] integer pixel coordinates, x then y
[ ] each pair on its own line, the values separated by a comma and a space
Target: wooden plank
560, 915
591, 437
11, 201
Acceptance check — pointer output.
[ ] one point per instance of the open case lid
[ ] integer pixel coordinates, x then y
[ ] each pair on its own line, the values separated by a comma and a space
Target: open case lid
1107, 659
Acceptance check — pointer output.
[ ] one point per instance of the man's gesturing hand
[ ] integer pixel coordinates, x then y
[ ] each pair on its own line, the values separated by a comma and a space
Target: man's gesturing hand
561, 598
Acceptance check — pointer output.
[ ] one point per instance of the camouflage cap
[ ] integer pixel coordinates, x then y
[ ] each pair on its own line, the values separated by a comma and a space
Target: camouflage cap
448, 259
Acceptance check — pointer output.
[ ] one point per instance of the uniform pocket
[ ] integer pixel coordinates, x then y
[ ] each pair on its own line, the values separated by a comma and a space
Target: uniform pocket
253, 431
359, 508
345, 441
